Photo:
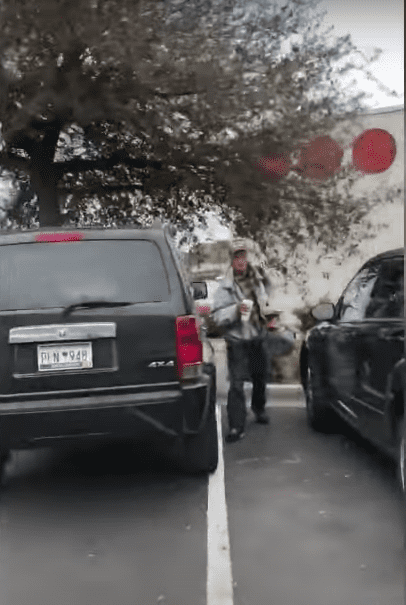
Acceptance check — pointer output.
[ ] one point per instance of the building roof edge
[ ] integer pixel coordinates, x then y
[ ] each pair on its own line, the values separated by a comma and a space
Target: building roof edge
377, 110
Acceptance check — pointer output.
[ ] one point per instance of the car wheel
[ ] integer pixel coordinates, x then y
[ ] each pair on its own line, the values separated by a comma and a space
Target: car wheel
401, 469
4, 458
319, 414
401, 456
200, 451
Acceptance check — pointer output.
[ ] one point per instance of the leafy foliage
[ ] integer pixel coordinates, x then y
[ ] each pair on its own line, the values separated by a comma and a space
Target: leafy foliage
140, 107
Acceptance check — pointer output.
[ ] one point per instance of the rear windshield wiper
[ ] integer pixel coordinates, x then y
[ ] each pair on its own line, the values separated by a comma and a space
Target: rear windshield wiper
93, 304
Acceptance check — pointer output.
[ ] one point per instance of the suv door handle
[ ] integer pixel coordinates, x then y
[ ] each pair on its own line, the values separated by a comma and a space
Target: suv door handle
391, 333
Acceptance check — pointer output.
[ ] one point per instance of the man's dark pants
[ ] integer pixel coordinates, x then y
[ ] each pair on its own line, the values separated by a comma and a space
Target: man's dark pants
247, 360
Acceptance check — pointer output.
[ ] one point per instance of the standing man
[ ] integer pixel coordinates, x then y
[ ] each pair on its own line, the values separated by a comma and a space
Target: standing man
238, 312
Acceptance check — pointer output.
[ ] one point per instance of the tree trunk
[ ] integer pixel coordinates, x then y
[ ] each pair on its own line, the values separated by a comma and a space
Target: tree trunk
45, 177
45, 185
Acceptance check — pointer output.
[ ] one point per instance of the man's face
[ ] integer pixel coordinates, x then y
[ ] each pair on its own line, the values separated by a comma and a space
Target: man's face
240, 263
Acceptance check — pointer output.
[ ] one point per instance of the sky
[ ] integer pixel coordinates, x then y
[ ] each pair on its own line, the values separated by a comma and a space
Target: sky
374, 23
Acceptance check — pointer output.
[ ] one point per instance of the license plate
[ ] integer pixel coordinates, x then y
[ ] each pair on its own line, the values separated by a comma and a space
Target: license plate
76, 356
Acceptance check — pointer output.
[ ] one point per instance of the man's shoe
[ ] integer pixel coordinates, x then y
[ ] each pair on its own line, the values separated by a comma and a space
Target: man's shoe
261, 418
235, 435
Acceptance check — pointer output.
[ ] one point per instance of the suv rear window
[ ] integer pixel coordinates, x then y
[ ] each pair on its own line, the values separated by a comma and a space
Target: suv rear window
34, 276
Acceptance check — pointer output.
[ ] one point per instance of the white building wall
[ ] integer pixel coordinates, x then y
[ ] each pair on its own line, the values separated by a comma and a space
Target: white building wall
390, 119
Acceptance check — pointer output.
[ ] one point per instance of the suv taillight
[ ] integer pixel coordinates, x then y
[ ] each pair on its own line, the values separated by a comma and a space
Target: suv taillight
59, 237
189, 348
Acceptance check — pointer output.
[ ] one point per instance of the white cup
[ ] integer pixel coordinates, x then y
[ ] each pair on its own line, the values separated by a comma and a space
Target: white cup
245, 315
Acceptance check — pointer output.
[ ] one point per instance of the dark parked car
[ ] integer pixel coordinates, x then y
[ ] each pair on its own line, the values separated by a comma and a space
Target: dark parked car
401, 371
99, 340
352, 361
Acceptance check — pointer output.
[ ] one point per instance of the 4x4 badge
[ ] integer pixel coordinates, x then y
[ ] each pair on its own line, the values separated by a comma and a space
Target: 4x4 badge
161, 364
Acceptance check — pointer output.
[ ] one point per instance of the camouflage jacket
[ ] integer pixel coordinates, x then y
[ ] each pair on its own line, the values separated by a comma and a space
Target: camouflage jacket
227, 300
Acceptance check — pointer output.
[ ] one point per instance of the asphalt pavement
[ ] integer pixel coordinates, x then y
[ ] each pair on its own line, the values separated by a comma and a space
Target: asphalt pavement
309, 519
110, 526
313, 519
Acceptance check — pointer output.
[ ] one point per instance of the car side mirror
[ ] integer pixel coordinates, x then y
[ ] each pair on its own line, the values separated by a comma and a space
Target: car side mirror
199, 290
323, 311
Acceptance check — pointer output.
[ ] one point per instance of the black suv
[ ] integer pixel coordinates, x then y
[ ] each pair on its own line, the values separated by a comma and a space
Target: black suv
99, 339
352, 361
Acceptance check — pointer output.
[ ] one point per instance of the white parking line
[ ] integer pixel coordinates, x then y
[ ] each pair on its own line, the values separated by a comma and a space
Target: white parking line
219, 575
219, 589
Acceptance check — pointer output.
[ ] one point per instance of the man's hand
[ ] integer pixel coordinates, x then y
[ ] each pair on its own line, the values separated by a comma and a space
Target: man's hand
244, 308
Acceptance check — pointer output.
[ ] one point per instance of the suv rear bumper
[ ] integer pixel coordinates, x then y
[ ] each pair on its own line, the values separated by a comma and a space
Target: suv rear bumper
30, 421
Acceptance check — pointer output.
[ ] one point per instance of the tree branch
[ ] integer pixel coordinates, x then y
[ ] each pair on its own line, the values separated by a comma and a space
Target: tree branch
99, 189
183, 93
115, 159
14, 162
